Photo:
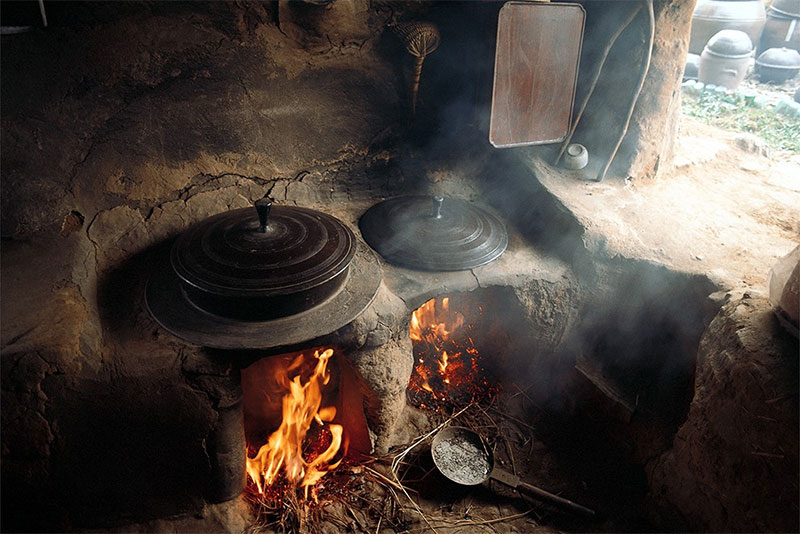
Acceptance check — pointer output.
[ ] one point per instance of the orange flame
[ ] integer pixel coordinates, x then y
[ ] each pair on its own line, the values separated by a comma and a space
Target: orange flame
284, 448
434, 325
447, 362
443, 362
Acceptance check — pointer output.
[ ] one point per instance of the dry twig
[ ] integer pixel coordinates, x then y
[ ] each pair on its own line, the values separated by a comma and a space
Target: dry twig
511, 418
443, 521
651, 25
400, 457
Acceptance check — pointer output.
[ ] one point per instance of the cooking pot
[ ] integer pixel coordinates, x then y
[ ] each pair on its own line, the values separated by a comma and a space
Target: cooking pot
273, 263
433, 233
263, 277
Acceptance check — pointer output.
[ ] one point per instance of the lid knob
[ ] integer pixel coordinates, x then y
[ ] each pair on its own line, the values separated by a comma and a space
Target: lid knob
263, 205
436, 208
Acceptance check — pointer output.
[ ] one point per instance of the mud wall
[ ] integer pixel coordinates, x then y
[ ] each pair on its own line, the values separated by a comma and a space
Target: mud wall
734, 464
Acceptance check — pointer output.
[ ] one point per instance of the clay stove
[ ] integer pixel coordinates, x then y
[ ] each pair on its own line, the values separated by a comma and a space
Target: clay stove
372, 358
304, 414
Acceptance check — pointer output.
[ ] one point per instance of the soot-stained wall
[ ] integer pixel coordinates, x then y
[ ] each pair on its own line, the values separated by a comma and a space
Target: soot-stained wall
122, 124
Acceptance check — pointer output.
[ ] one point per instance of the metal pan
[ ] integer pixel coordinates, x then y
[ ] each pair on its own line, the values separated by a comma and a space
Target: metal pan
461, 455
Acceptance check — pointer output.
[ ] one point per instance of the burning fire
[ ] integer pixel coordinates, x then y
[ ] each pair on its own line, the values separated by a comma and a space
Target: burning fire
447, 367
283, 452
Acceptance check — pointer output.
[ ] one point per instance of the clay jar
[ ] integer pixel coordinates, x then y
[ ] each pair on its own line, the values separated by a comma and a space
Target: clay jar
725, 59
712, 16
782, 28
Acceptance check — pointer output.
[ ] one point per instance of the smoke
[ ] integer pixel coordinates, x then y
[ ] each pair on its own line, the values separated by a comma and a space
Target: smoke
455, 87
641, 324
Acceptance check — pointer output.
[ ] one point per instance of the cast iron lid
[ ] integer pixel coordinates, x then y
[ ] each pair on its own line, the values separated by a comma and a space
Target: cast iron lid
269, 251
433, 233
262, 278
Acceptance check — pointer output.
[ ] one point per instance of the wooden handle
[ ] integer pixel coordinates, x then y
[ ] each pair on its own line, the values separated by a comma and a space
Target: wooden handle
415, 83
560, 502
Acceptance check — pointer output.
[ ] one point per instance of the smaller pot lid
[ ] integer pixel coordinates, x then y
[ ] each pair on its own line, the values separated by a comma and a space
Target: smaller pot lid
269, 251
779, 58
730, 44
433, 233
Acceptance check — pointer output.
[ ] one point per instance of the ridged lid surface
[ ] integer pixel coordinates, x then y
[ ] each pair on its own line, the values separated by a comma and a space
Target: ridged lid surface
229, 254
432, 233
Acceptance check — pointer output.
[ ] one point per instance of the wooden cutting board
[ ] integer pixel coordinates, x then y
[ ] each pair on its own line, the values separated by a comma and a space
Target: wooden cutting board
535, 72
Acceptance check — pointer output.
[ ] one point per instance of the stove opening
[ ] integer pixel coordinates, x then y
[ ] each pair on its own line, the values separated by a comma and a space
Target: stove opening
460, 347
303, 417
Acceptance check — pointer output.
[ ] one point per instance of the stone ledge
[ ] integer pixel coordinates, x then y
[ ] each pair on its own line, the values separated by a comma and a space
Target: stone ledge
716, 216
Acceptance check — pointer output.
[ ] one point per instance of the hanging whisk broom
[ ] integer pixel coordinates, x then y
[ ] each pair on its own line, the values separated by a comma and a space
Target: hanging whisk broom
420, 38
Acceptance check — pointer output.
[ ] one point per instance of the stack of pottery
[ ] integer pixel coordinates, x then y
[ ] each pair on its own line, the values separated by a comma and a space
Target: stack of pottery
725, 59
778, 65
711, 16
782, 29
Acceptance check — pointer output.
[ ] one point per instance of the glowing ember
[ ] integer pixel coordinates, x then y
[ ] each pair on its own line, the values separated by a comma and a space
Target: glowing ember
447, 367
281, 458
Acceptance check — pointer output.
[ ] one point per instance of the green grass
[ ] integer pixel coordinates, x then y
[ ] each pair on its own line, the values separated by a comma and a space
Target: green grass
732, 112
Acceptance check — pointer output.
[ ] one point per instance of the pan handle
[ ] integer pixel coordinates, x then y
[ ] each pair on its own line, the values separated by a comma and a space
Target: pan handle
564, 504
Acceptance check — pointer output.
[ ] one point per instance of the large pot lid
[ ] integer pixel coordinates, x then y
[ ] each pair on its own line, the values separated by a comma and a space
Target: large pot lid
242, 280
433, 233
277, 250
